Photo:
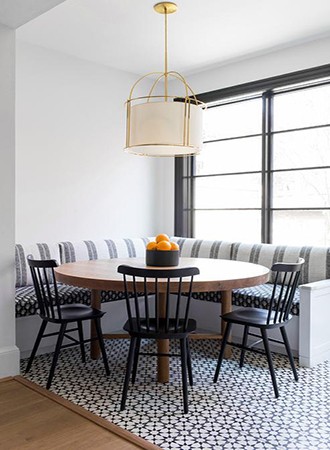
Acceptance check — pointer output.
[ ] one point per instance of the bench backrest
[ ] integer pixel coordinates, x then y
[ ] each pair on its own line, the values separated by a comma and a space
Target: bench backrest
315, 268
38, 251
102, 249
202, 248
317, 259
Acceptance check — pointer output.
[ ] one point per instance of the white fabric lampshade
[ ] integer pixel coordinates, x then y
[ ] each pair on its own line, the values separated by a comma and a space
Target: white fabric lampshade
158, 129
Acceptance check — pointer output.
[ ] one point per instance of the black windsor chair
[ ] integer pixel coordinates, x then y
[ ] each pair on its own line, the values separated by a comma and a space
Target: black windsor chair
51, 311
276, 316
145, 320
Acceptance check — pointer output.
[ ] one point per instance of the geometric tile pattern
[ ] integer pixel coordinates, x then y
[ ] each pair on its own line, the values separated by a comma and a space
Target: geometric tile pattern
255, 297
239, 412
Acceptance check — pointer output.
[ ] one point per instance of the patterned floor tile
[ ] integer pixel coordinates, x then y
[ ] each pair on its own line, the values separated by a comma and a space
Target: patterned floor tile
239, 412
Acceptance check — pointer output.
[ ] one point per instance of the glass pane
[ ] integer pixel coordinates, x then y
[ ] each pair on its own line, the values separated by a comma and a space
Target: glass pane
301, 228
236, 119
240, 155
302, 189
228, 225
232, 191
302, 108
302, 149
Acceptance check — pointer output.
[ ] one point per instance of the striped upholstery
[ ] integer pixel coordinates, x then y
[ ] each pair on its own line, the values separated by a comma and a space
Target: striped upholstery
316, 267
317, 259
255, 297
198, 248
25, 298
38, 251
26, 303
102, 249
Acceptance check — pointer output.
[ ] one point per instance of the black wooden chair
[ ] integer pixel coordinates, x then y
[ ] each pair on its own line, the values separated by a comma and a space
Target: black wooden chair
276, 316
51, 311
145, 320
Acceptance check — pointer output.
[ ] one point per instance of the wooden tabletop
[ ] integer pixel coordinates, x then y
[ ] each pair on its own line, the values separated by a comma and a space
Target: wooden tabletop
215, 274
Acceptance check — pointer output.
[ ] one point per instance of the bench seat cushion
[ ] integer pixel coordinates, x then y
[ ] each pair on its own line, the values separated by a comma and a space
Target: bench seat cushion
26, 303
256, 297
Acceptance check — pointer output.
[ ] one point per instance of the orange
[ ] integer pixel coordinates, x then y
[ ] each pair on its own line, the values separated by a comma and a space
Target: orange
174, 246
162, 237
151, 245
163, 245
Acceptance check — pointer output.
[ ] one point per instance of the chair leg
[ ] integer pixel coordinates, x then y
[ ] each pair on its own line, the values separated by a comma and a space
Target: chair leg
129, 365
190, 374
183, 347
56, 354
81, 340
136, 359
244, 342
101, 343
36, 345
222, 351
289, 352
270, 362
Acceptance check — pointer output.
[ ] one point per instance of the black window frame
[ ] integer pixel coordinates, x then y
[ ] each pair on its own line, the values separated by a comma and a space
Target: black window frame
184, 167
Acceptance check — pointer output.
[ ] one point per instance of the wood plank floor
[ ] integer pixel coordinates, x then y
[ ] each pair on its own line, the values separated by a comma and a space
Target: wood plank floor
33, 418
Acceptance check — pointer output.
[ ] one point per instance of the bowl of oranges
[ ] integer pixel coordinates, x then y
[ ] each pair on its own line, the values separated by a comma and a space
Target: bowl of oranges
162, 252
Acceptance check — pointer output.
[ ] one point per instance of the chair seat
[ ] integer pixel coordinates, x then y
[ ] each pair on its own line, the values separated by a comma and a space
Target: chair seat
252, 316
162, 333
76, 311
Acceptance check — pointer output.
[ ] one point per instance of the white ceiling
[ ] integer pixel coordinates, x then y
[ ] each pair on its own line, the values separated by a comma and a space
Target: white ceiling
128, 34
14, 13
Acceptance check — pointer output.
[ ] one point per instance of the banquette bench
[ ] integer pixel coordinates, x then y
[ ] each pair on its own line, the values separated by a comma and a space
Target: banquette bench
311, 304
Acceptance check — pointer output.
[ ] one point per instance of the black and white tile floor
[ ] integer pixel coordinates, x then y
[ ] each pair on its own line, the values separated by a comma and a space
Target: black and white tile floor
239, 412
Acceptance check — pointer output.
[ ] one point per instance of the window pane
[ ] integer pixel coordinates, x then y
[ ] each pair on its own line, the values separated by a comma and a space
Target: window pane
228, 225
232, 191
236, 119
302, 108
288, 228
240, 155
302, 149
302, 189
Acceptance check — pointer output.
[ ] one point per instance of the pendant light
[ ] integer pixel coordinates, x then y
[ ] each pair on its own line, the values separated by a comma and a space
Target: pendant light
164, 125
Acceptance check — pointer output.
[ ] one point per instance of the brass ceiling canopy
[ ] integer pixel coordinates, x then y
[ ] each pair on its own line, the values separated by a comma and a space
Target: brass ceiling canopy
165, 8
164, 125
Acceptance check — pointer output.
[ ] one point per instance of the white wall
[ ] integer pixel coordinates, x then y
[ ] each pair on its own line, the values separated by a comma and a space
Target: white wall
291, 59
9, 354
73, 179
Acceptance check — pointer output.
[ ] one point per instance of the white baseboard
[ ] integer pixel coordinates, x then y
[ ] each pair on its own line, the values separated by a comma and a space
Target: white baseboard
9, 361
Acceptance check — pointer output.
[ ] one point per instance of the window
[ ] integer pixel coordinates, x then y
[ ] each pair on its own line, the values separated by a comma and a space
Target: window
264, 172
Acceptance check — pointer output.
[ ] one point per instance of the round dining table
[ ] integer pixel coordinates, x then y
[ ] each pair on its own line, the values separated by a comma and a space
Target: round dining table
215, 275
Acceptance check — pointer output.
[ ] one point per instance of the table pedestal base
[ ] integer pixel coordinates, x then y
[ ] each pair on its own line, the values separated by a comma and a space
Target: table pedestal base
163, 346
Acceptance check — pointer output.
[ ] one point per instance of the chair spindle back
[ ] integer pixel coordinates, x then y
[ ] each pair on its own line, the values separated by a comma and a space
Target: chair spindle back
285, 285
147, 284
45, 286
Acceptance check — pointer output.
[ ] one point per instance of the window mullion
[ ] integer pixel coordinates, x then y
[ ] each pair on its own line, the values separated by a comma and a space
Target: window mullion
267, 140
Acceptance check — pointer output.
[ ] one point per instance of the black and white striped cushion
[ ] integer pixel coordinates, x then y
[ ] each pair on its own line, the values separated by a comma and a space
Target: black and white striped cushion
38, 251
317, 259
102, 249
201, 248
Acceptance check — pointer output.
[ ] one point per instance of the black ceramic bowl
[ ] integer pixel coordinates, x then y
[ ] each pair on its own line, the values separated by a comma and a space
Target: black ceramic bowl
163, 258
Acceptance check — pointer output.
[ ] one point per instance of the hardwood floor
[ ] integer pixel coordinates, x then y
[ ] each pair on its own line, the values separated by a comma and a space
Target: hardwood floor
33, 418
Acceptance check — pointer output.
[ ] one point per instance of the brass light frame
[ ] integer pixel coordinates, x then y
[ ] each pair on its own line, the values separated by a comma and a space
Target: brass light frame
189, 99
